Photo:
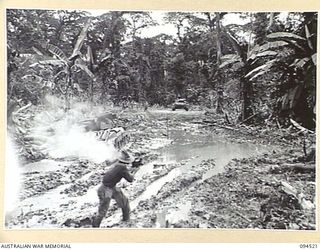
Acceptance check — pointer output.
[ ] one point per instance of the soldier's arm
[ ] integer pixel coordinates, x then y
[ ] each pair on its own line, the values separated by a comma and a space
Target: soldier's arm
127, 175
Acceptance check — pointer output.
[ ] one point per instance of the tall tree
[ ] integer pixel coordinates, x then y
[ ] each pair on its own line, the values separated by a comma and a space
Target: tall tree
294, 55
70, 65
218, 41
137, 22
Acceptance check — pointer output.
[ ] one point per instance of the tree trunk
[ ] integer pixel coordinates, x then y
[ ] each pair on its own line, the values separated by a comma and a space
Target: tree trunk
246, 92
179, 26
218, 41
220, 88
66, 96
219, 109
91, 91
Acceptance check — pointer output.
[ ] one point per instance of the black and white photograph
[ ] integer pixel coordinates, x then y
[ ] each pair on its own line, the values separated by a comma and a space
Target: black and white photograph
160, 120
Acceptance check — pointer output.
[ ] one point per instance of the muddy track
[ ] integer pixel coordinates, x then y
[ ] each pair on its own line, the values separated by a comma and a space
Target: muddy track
188, 180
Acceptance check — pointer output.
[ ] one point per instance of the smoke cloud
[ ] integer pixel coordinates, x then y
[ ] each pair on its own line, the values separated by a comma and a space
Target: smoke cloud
61, 136
74, 142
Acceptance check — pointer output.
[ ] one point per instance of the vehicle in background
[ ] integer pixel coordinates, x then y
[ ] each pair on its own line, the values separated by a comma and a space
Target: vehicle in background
180, 104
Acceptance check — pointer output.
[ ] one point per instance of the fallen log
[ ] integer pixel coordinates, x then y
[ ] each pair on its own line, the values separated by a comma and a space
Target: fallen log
301, 128
289, 190
299, 167
249, 118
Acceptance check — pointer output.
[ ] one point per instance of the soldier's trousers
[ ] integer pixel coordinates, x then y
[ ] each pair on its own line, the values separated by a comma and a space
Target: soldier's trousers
105, 195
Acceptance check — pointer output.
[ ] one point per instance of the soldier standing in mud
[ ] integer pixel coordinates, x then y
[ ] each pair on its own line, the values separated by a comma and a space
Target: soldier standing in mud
108, 189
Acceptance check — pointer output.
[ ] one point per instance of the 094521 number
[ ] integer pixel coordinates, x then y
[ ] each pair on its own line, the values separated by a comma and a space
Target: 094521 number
308, 246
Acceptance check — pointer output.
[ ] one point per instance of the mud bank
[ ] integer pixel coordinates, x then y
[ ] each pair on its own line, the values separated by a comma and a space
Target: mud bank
249, 195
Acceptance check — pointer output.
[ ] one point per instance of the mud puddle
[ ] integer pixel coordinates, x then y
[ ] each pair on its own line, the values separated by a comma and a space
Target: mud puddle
191, 150
186, 151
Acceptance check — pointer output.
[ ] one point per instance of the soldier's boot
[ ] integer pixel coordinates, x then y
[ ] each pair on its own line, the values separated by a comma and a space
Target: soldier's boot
125, 209
96, 221
125, 214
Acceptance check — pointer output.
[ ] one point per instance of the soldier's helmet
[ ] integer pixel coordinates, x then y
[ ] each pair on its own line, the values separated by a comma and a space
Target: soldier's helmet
125, 157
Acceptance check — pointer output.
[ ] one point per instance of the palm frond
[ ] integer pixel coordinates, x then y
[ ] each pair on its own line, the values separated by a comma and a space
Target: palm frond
268, 46
81, 38
234, 42
308, 36
299, 63
263, 54
257, 75
85, 69
295, 43
89, 56
229, 56
53, 62
229, 59
57, 52
260, 70
285, 35
38, 52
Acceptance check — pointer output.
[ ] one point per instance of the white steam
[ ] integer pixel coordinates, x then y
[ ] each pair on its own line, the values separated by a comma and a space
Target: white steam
73, 142
59, 134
